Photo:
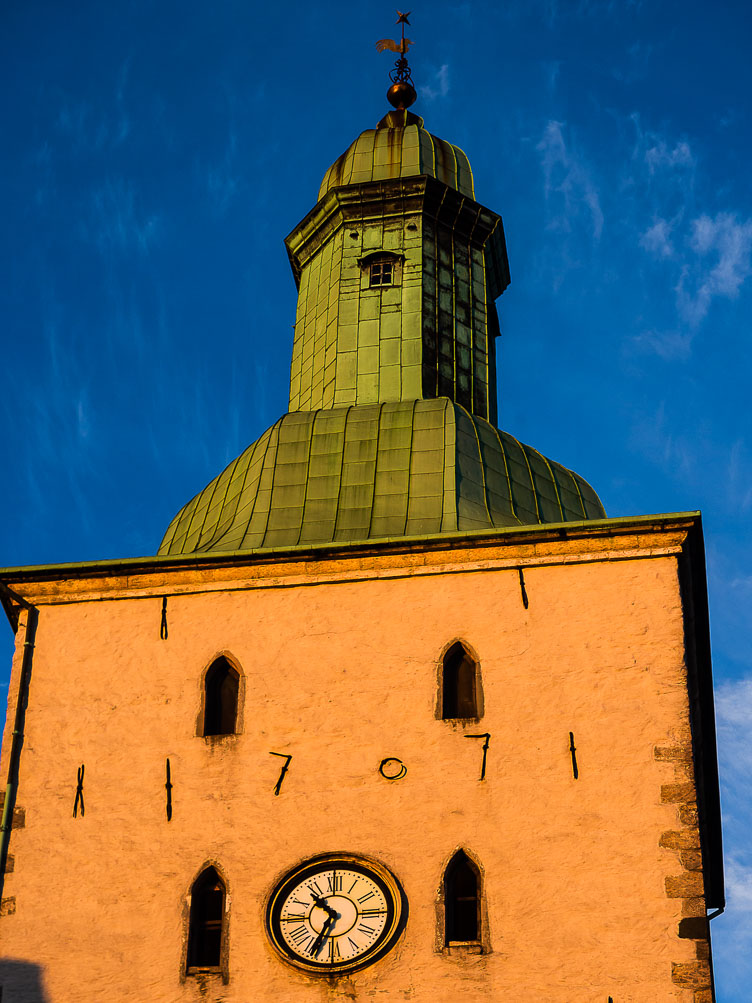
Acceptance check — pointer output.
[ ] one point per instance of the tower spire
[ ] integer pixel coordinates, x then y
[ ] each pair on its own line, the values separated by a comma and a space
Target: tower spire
402, 93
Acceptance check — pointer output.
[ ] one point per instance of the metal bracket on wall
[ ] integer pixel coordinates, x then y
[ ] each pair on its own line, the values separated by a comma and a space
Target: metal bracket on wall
573, 751
523, 590
79, 793
163, 623
168, 788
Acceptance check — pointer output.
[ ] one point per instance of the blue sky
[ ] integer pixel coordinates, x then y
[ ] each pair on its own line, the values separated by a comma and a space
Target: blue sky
155, 156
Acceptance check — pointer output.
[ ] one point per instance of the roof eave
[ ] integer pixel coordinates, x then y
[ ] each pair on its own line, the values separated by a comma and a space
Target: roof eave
584, 527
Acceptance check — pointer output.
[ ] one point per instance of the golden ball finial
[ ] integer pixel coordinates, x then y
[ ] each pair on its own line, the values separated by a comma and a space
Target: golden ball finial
401, 95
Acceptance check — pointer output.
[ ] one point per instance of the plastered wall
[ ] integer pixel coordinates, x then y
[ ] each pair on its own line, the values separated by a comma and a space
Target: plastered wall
576, 903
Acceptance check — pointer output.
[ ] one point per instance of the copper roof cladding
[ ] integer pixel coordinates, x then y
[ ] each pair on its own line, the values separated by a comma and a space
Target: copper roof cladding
399, 147
400, 453
368, 472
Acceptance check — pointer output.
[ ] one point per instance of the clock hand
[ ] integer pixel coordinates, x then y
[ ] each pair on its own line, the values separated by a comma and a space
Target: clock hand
322, 904
318, 943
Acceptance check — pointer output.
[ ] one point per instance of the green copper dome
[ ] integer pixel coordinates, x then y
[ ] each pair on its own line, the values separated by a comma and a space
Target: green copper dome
391, 425
371, 472
400, 148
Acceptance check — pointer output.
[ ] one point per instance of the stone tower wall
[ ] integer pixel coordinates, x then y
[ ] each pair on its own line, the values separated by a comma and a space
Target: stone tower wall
592, 887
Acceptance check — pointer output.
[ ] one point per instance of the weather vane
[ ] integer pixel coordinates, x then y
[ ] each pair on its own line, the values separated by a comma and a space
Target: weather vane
402, 93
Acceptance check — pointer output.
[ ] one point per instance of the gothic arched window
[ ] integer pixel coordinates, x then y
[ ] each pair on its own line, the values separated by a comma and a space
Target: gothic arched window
461, 900
206, 925
459, 684
221, 685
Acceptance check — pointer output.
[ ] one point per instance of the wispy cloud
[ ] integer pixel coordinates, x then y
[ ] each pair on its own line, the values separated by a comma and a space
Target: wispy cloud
552, 71
739, 480
671, 345
710, 258
653, 437
118, 222
439, 86
61, 449
661, 156
734, 950
661, 169
222, 177
704, 257
718, 470
720, 260
636, 63
87, 128
657, 239
554, 11
568, 184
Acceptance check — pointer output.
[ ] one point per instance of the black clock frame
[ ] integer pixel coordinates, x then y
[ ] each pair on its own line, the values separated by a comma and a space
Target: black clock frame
397, 910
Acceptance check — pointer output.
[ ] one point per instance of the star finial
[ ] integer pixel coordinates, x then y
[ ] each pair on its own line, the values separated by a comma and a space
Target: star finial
402, 18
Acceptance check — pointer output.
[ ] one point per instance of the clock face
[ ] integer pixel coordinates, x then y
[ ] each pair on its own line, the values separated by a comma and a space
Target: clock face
336, 913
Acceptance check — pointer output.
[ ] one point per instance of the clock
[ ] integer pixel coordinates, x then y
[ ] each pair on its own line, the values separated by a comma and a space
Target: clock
336, 913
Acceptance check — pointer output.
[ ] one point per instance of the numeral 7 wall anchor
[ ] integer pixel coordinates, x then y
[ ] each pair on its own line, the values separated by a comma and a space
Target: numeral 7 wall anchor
486, 743
285, 768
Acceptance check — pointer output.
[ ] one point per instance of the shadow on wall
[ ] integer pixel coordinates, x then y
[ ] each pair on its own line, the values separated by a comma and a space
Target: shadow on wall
21, 982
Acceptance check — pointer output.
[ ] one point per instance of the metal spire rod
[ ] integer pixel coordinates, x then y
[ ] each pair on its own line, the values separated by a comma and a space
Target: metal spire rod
402, 92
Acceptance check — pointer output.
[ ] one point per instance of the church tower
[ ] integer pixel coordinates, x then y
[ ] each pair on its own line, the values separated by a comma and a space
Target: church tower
396, 712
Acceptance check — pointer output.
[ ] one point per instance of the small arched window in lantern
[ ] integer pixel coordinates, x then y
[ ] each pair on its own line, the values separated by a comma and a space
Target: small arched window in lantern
221, 686
381, 272
462, 901
381, 269
460, 689
206, 929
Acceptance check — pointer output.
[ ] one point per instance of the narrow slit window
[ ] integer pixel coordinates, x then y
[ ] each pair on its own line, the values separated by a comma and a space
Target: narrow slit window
206, 920
221, 698
462, 900
382, 272
460, 688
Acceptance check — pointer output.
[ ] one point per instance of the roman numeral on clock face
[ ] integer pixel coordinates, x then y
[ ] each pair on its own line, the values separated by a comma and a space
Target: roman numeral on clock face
366, 929
370, 912
335, 882
299, 934
366, 897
